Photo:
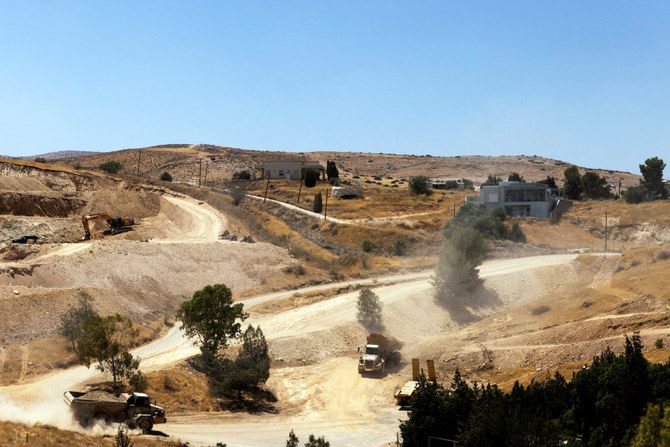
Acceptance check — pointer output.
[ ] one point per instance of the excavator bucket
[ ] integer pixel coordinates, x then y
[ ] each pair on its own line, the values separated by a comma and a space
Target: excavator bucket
431, 371
416, 370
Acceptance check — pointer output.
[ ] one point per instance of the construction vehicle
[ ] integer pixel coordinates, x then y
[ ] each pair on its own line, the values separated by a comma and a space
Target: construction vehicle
379, 351
117, 224
134, 410
405, 394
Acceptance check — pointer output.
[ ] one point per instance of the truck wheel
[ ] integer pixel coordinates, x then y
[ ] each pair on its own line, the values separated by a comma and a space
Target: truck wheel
145, 424
100, 417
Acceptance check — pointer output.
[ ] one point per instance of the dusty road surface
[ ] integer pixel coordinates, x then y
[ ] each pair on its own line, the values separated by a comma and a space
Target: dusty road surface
319, 390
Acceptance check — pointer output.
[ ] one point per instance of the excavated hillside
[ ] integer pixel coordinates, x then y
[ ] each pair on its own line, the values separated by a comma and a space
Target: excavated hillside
173, 250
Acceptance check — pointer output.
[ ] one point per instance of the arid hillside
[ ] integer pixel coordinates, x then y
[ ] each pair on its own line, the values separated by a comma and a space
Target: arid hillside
193, 163
299, 282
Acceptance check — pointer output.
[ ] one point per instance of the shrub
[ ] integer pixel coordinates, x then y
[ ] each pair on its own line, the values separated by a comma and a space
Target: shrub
138, 382
659, 343
539, 310
516, 234
400, 247
419, 184
366, 246
242, 175
311, 176
317, 206
451, 184
77, 166
40, 160
113, 167
297, 269
377, 178
166, 177
238, 195
636, 194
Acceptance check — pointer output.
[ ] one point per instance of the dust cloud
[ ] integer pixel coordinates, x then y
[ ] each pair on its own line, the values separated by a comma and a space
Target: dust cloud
54, 413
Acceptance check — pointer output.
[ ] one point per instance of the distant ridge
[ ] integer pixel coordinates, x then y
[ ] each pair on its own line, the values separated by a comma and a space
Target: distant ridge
61, 154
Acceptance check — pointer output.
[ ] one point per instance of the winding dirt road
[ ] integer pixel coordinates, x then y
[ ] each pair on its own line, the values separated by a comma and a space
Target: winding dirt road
341, 405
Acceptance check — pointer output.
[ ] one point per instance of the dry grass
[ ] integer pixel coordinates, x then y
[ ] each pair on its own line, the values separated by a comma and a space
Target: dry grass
14, 435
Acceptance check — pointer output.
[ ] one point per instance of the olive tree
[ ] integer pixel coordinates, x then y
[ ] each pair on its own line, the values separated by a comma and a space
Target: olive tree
211, 317
106, 340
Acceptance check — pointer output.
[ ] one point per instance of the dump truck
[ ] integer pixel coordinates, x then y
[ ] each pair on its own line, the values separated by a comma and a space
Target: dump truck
379, 351
407, 393
135, 410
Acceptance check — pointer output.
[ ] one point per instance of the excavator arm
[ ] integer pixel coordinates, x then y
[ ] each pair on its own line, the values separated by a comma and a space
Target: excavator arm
117, 224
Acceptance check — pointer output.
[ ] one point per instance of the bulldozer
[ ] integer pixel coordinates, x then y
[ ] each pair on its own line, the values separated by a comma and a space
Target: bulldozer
116, 224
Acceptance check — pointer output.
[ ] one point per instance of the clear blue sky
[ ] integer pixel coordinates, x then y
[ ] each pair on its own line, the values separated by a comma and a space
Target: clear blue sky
587, 82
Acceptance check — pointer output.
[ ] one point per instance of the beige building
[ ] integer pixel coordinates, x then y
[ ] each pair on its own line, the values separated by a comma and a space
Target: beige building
288, 169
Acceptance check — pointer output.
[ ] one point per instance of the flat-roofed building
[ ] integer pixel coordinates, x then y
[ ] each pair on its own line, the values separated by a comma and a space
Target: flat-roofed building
518, 199
288, 169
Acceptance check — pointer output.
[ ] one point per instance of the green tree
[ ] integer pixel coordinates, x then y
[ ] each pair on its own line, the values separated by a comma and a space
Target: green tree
550, 182
113, 167
255, 352
492, 180
317, 442
331, 171
73, 318
317, 206
573, 186
476, 217
369, 310
419, 184
106, 340
166, 177
292, 440
652, 176
311, 176
367, 246
595, 186
211, 317
456, 275
516, 177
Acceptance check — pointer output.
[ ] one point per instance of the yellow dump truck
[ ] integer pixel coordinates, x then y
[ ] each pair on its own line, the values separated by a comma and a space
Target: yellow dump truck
134, 410
379, 351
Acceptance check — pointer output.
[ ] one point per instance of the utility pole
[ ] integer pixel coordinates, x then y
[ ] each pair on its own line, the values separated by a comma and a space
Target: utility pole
139, 154
206, 166
605, 231
300, 190
454, 212
200, 174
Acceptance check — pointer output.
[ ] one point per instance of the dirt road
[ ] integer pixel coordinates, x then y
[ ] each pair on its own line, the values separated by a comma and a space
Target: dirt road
334, 400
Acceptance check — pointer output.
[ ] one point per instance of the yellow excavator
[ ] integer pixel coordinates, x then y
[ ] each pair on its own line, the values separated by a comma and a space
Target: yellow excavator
117, 224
